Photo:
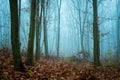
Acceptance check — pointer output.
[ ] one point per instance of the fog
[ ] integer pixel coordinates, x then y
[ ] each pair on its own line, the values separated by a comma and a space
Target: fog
72, 16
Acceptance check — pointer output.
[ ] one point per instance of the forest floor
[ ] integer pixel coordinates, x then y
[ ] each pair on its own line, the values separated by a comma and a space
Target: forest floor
52, 69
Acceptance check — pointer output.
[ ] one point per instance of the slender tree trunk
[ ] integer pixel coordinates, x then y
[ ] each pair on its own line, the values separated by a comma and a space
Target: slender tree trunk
15, 41
30, 55
118, 32
58, 37
82, 42
37, 54
19, 12
38, 31
45, 28
82, 36
96, 35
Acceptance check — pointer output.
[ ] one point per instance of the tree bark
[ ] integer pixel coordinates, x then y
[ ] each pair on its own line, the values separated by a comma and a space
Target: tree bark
38, 31
96, 35
15, 39
58, 37
45, 28
118, 32
30, 51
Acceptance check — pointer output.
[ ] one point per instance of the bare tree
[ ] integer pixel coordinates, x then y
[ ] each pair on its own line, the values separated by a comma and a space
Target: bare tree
38, 29
58, 37
118, 30
30, 55
81, 21
45, 2
15, 39
96, 35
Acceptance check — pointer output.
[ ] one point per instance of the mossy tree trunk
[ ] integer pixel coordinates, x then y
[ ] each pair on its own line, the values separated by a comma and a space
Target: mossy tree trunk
30, 51
15, 41
96, 35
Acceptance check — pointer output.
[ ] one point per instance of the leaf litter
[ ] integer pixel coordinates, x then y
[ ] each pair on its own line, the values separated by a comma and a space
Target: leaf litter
51, 69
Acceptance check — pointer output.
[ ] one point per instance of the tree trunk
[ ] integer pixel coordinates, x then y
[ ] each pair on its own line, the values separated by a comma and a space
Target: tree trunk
58, 37
30, 55
45, 29
15, 41
96, 35
38, 25
118, 32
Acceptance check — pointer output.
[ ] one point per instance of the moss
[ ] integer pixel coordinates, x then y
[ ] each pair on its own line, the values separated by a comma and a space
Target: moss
5, 75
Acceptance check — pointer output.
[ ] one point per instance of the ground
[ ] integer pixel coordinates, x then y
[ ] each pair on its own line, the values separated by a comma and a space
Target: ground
52, 69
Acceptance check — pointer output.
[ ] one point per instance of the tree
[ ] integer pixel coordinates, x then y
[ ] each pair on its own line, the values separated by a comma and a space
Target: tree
30, 55
96, 35
58, 37
118, 31
15, 41
38, 30
44, 2
81, 21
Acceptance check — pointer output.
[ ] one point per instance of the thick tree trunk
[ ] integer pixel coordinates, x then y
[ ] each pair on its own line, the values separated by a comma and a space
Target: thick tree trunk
96, 35
18, 66
30, 51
